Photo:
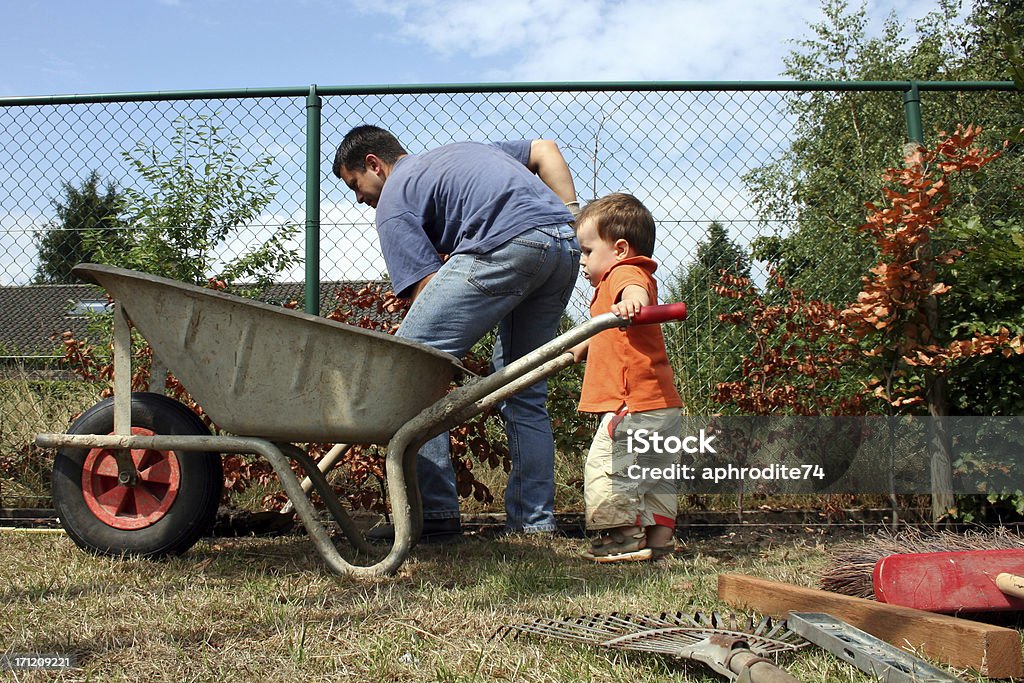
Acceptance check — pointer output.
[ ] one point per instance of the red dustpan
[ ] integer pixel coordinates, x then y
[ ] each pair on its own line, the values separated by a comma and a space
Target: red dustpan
966, 581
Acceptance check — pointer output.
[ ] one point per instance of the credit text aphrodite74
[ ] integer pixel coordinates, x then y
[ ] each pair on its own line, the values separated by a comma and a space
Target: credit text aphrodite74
727, 473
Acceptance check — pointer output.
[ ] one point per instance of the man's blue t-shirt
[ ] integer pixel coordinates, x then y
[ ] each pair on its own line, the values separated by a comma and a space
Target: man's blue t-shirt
463, 198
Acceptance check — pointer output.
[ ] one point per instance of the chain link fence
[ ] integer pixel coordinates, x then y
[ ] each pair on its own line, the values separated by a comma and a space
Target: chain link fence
688, 152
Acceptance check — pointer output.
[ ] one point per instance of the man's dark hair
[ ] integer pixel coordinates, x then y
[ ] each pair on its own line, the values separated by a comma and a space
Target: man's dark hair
363, 140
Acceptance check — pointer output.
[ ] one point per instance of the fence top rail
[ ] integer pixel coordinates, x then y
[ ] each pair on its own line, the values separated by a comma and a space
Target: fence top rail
448, 88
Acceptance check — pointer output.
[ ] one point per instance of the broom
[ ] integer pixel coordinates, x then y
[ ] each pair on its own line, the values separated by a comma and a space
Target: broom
851, 565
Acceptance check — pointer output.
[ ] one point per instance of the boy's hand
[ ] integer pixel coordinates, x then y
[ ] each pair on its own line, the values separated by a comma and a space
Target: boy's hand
579, 352
627, 308
632, 299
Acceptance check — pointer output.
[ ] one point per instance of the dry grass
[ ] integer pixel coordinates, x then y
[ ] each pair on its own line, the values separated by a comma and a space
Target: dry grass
29, 406
267, 609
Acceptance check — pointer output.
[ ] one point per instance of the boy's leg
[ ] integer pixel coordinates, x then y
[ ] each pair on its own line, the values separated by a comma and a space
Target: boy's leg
659, 496
610, 495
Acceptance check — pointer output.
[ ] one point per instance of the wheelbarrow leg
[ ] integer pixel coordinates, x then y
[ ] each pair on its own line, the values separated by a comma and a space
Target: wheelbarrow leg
406, 504
317, 532
318, 481
127, 474
325, 464
415, 499
404, 496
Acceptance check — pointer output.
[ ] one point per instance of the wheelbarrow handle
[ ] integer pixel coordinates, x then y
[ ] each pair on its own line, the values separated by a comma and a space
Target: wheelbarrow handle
656, 315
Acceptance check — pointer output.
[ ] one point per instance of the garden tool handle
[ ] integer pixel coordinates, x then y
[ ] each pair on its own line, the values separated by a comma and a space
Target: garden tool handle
756, 669
1011, 584
663, 313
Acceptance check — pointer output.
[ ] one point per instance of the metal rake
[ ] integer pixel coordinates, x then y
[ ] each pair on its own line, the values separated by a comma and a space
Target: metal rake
733, 646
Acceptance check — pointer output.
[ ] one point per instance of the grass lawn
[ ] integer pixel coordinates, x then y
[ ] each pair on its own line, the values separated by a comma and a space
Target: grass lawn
267, 609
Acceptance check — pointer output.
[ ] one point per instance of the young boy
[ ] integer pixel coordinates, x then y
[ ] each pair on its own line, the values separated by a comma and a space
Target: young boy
629, 382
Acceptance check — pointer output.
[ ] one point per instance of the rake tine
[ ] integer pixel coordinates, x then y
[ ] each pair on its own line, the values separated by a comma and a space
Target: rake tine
585, 629
666, 633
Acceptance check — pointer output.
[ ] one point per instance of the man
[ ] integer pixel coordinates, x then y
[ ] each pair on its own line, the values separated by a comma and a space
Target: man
477, 235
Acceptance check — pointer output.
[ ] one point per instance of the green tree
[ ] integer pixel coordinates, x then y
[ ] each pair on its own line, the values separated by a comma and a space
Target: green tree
87, 218
991, 231
194, 208
841, 142
707, 352
844, 141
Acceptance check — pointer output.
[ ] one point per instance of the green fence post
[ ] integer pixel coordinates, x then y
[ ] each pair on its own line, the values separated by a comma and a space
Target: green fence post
912, 112
313, 110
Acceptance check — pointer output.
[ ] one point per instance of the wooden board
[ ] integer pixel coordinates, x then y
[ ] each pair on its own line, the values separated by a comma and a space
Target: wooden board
951, 582
992, 651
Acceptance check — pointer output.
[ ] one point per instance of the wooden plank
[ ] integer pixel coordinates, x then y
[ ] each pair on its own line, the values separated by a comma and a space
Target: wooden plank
992, 651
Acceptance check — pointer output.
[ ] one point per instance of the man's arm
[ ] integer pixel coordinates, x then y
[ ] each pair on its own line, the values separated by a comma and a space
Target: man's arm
419, 286
547, 162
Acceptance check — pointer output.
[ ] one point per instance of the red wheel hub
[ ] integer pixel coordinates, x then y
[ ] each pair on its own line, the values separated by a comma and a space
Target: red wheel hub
131, 507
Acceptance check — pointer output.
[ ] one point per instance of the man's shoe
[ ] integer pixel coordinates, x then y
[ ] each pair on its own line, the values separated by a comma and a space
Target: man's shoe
434, 531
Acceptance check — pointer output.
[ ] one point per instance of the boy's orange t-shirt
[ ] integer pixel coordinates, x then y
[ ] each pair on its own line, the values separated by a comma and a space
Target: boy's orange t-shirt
627, 366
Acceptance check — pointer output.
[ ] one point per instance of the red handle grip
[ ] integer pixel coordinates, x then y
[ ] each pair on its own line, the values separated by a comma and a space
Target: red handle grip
655, 315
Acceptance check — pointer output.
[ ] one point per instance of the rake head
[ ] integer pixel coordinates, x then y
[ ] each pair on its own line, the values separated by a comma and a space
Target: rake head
733, 646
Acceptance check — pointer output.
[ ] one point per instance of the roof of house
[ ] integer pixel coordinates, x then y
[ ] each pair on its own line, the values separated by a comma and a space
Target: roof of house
33, 317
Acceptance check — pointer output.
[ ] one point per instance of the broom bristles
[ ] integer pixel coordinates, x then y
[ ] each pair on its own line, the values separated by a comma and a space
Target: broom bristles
851, 564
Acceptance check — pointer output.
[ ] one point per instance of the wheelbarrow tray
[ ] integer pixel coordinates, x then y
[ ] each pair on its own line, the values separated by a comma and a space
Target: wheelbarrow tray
275, 373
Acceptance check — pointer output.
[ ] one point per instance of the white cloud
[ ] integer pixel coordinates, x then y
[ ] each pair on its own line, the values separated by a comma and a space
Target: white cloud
583, 40
606, 40
18, 250
348, 242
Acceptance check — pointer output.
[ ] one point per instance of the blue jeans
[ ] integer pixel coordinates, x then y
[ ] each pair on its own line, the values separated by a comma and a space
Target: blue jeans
522, 287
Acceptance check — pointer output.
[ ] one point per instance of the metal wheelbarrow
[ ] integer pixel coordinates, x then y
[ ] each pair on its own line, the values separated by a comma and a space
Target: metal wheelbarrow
140, 473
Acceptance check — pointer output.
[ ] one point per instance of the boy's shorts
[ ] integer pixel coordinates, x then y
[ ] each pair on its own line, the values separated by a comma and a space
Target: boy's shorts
619, 488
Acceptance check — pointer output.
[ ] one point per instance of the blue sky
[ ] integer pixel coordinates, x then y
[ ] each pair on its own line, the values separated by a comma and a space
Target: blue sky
55, 47
68, 46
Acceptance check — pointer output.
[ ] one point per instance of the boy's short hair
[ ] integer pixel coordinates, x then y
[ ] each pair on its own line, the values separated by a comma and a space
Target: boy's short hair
363, 140
622, 216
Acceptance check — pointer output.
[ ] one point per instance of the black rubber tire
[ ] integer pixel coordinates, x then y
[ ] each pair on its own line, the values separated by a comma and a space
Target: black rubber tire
193, 509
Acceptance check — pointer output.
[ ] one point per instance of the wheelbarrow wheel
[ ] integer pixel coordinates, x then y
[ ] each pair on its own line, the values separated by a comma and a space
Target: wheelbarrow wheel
172, 505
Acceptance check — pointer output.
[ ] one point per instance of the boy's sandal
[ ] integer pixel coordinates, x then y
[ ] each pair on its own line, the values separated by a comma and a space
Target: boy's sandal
642, 555
616, 542
659, 552
649, 554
